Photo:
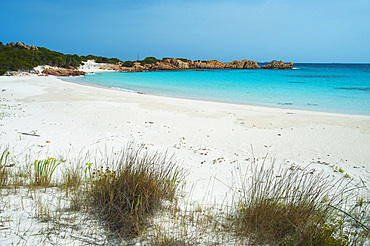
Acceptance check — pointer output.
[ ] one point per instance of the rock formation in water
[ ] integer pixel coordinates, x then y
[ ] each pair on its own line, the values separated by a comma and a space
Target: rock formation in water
62, 72
279, 65
177, 64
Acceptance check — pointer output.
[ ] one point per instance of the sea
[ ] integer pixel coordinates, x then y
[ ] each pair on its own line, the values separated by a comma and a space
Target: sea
337, 88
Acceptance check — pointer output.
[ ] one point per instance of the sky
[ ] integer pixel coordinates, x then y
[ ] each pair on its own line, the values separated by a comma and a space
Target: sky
260, 30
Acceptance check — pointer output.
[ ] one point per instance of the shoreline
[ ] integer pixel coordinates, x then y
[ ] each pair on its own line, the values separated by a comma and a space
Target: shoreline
335, 112
210, 139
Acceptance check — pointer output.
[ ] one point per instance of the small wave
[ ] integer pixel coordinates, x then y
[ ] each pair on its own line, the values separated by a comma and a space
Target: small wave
121, 89
285, 103
317, 76
296, 82
354, 89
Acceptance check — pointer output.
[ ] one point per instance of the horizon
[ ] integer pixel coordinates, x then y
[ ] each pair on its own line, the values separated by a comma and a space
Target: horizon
263, 31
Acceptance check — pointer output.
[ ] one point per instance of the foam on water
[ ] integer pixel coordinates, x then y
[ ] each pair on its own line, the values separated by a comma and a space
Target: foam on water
340, 88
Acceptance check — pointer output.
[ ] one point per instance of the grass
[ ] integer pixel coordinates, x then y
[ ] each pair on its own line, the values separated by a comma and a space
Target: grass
136, 197
43, 171
292, 207
127, 194
3, 167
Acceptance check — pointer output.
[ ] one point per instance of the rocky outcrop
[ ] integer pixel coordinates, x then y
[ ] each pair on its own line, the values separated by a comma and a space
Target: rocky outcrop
279, 65
177, 64
62, 72
26, 46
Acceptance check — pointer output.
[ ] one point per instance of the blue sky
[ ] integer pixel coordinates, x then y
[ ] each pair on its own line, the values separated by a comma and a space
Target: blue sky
260, 30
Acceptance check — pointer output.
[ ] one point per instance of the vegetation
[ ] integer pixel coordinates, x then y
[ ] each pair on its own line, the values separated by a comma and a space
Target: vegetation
133, 190
17, 57
44, 170
135, 196
291, 207
149, 60
128, 64
182, 59
3, 167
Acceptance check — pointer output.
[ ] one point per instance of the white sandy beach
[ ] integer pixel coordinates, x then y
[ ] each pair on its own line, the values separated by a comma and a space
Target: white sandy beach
209, 139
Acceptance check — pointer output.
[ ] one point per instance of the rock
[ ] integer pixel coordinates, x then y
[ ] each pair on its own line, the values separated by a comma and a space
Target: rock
214, 64
180, 64
62, 72
278, 65
26, 46
249, 64
176, 64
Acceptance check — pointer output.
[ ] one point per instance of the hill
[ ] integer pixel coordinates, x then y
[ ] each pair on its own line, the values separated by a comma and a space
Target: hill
19, 56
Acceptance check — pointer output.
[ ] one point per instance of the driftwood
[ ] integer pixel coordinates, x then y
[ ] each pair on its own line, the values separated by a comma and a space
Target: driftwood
29, 134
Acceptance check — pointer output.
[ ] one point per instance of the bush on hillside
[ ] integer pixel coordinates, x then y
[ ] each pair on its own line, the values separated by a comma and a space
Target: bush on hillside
17, 57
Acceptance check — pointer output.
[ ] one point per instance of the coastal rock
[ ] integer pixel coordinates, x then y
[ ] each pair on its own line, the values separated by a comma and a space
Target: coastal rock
211, 64
278, 65
249, 64
177, 64
26, 46
163, 66
214, 64
167, 64
62, 72
180, 64
10, 44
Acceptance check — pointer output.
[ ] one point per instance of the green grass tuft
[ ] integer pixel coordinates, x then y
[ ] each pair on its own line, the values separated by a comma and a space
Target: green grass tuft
3, 168
43, 171
291, 207
127, 194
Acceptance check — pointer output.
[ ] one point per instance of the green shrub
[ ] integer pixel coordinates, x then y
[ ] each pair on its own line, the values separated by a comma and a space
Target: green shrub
128, 64
149, 60
183, 59
19, 58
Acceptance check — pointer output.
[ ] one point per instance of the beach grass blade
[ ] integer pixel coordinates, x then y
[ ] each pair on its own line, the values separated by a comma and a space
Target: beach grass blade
44, 170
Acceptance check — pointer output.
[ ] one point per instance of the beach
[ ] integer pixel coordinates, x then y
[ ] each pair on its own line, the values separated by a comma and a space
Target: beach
50, 117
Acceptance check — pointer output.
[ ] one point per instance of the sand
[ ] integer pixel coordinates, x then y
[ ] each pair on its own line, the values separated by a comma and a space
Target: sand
210, 140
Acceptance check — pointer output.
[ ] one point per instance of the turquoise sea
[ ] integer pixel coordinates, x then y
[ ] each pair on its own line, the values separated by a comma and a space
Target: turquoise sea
342, 88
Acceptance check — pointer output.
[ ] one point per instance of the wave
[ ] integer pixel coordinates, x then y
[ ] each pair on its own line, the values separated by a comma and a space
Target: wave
354, 89
122, 89
296, 82
317, 76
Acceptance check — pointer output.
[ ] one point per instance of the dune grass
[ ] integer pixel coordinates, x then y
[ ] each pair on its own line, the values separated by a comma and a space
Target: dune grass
137, 197
126, 193
3, 167
293, 207
43, 171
